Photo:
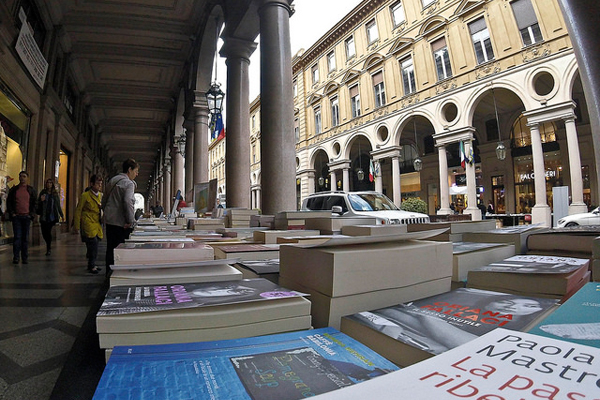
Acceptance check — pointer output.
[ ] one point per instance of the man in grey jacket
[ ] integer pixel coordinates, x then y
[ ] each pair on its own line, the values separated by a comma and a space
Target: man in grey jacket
118, 205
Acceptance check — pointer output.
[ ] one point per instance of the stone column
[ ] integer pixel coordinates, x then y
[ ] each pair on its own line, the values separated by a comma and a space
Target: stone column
311, 181
278, 150
540, 214
396, 187
200, 160
577, 205
444, 189
188, 129
345, 179
471, 186
161, 193
177, 168
237, 169
167, 177
332, 180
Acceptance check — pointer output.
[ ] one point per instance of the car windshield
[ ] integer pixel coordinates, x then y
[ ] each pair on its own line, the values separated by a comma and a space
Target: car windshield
370, 202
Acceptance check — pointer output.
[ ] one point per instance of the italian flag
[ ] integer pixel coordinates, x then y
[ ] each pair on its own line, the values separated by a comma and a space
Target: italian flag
463, 157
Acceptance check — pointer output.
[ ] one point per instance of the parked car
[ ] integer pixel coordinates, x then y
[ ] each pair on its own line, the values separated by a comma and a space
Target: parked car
591, 218
362, 204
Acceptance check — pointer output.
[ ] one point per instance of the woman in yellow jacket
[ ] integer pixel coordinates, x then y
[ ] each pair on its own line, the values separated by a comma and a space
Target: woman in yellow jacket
87, 221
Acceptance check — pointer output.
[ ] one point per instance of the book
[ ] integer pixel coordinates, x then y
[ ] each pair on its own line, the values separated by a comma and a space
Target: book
467, 256
371, 230
138, 299
271, 236
144, 252
531, 274
577, 320
500, 365
284, 366
158, 276
574, 241
268, 269
247, 251
365, 267
516, 235
410, 332
333, 224
328, 311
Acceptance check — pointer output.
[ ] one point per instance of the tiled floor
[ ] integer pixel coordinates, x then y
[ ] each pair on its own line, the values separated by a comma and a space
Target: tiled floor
48, 343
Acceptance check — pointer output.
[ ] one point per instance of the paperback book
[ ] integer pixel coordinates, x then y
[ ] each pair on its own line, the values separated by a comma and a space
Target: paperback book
577, 320
410, 332
285, 366
139, 298
500, 365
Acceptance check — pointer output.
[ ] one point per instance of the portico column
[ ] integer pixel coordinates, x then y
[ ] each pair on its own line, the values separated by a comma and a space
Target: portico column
167, 177
396, 181
471, 186
540, 214
161, 191
200, 163
577, 205
311, 181
189, 156
237, 168
278, 150
444, 189
177, 168
345, 179
333, 181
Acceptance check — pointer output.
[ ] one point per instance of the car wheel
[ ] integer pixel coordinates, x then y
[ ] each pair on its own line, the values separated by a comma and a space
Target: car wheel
572, 224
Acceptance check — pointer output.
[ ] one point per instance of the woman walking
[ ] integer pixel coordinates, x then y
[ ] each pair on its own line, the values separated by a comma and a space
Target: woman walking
87, 221
49, 211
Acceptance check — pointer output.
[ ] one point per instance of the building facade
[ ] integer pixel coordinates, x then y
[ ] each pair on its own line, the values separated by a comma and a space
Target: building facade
444, 83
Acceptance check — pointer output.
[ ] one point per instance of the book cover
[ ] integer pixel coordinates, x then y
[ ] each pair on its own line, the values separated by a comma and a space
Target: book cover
536, 264
500, 365
260, 267
577, 320
140, 298
284, 366
439, 323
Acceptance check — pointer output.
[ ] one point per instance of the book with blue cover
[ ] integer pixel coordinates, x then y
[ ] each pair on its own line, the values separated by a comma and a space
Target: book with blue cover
577, 320
274, 367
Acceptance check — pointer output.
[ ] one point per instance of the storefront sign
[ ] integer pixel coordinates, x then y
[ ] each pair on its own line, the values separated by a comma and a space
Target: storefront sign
531, 175
31, 55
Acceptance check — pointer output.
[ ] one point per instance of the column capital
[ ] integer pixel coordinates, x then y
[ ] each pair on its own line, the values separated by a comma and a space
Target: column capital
237, 48
287, 4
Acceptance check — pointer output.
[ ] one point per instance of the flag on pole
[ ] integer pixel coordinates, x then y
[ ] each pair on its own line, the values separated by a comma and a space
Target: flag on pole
471, 155
463, 157
219, 128
211, 126
371, 171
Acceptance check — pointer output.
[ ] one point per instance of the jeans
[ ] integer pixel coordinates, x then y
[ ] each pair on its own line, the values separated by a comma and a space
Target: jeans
47, 232
115, 235
91, 245
21, 225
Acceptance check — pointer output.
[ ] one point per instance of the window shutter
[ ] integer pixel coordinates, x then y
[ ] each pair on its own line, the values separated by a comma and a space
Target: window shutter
524, 13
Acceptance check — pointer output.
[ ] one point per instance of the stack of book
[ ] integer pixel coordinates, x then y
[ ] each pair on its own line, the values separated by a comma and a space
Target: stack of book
189, 312
262, 220
247, 251
533, 275
162, 252
502, 364
575, 241
174, 272
411, 332
239, 217
286, 220
333, 225
268, 269
373, 230
270, 236
283, 366
307, 240
577, 320
347, 275
515, 235
454, 229
467, 256
205, 224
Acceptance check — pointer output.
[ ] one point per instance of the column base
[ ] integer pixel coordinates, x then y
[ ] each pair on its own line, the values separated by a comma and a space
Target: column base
475, 213
577, 208
541, 214
444, 211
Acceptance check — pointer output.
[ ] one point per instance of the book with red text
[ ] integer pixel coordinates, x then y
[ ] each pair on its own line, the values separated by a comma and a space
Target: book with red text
500, 365
411, 332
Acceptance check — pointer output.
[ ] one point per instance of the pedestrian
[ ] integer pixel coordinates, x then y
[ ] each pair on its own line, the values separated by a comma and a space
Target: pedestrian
490, 207
21, 210
50, 212
88, 221
158, 210
118, 205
